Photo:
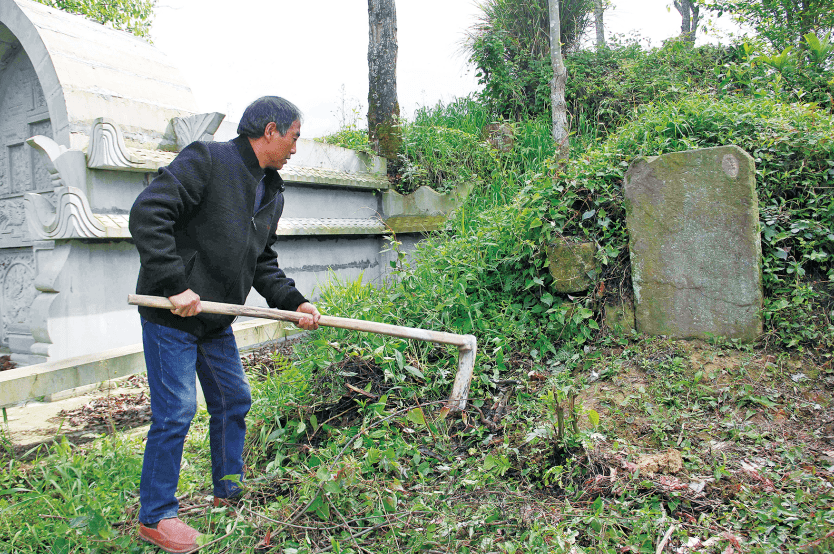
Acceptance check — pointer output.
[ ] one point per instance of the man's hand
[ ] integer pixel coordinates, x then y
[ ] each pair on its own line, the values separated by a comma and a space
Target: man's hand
310, 323
186, 303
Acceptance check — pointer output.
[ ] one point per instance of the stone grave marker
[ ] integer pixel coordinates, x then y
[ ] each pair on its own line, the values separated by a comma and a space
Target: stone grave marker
693, 222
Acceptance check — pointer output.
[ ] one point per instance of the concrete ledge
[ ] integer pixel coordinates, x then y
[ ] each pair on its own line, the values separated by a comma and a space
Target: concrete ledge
331, 177
303, 226
47, 379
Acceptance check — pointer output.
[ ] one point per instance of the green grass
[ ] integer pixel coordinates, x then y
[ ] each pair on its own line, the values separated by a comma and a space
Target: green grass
501, 477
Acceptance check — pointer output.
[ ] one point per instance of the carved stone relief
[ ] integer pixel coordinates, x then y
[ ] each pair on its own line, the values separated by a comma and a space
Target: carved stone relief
18, 97
18, 292
196, 127
24, 113
107, 150
40, 176
20, 168
12, 220
4, 179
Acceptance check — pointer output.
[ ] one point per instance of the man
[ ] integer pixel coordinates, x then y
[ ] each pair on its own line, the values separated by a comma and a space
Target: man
205, 230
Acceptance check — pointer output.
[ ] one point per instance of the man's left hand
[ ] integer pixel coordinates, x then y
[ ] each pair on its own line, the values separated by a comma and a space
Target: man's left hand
310, 322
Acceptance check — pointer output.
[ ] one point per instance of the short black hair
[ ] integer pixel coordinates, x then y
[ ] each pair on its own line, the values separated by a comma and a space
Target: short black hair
265, 110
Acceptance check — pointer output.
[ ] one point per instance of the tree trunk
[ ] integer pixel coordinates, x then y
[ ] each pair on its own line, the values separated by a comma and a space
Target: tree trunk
690, 13
694, 21
557, 86
599, 10
384, 131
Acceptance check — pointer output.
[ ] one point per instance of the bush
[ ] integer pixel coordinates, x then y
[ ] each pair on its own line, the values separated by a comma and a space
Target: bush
800, 73
605, 86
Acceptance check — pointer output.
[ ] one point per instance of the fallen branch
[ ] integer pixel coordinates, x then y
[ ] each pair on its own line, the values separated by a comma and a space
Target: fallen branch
360, 391
665, 539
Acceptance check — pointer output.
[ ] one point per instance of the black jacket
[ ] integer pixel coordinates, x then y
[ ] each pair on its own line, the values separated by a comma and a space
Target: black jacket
195, 228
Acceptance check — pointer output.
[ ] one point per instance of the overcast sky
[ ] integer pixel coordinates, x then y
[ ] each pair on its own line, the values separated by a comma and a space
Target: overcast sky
314, 52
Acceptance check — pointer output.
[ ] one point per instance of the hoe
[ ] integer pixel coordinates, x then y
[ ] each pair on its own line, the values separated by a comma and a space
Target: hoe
466, 344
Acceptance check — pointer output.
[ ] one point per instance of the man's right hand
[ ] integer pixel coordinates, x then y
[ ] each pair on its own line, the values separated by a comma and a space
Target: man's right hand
186, 303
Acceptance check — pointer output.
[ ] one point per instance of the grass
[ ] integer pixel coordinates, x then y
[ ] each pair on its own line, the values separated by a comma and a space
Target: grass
332, 469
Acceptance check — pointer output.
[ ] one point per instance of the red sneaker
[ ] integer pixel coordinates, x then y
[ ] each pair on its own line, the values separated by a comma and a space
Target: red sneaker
171, 535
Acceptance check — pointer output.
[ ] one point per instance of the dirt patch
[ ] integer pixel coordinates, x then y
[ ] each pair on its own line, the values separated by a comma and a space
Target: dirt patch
108, 413
6, 363
122, 405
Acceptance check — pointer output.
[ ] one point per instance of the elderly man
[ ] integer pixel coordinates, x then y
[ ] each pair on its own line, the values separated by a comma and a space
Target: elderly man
205, 229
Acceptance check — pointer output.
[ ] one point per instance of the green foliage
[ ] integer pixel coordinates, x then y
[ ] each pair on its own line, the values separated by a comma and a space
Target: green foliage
445, 146
781, 22
606, 85
798, 73
538, 478
71, 499
510, 47
603, 86
490, 277
441, 157
350, 137
133, 16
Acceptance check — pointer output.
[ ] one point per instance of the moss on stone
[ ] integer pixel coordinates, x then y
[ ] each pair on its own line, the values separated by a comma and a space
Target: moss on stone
570, 264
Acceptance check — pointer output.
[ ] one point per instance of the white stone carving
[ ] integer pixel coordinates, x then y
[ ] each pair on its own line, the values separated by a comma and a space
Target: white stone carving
196, 127
289, 226
21, 172
50, 260
50, 152
107, 148
67, 214
311, 175
12, 220
18, 294
71, 217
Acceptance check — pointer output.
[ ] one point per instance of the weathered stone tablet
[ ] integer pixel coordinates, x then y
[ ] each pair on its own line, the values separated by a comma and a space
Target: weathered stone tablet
693, 221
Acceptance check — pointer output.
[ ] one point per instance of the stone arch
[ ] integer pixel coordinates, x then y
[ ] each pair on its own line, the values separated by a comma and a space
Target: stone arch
25, 114
15, 24
87, 71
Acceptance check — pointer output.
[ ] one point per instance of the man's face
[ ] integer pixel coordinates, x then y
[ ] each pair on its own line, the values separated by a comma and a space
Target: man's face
280, 148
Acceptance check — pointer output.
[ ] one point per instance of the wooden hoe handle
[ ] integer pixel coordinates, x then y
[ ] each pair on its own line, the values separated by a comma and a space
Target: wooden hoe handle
467, 344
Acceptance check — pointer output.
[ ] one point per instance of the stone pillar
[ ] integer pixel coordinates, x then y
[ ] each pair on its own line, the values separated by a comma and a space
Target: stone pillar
693, 222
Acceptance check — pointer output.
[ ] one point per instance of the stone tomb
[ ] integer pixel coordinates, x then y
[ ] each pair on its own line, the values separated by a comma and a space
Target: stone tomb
87, 117
693, 222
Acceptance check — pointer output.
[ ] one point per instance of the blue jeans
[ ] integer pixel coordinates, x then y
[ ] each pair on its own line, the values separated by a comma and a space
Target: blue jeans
172, 357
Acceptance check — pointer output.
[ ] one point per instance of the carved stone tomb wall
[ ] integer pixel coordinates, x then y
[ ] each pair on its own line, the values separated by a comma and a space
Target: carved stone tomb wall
23, 113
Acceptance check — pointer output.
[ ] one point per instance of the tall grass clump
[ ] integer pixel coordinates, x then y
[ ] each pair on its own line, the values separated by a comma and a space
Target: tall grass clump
440, 156
447, 145
71, 500
606, 85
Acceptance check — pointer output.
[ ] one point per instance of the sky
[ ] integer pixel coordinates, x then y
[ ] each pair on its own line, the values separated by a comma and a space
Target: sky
314, 52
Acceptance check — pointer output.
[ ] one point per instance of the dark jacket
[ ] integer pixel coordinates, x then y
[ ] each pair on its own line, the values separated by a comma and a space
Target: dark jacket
196, 228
